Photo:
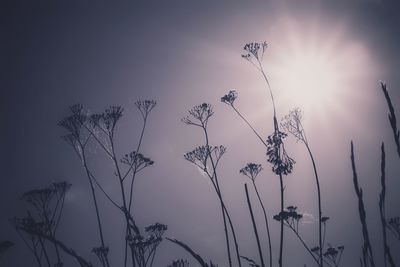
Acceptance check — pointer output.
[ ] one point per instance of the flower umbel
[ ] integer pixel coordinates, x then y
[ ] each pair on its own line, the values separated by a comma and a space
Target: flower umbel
251, 170
253, 50
229, 98
145, 106
199, 115
292, 124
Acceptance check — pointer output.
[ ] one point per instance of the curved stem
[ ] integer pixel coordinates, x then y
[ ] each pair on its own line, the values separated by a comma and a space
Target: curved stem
321, 262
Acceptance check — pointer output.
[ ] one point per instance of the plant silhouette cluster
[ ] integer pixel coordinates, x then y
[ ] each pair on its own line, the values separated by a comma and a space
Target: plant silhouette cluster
84, 130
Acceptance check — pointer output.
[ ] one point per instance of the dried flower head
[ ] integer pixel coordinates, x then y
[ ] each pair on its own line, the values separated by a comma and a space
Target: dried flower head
229, 98
199, 115
290, 217
74, 124
136, 160
157, 229
292, 124
251, 170
30, 225
253, 50
277, 156
145, 107
198, 156
107, 120
333, 255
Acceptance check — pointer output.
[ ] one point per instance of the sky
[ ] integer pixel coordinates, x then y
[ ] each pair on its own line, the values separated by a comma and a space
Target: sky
326, 57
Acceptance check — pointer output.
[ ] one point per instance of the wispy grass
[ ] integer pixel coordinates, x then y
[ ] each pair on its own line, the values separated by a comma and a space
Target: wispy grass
367, 252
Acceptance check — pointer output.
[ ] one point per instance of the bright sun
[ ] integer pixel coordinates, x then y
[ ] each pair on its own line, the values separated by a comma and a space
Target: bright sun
315, 70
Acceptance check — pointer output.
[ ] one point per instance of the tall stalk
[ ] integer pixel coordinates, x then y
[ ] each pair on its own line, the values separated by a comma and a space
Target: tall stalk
292, 124
251, 170
254, 226
207, 158
366, 247
282, 164
386, 249
392, 118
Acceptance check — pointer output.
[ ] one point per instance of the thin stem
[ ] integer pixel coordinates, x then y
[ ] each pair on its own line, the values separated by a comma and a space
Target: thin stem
303, 242
392, 118
220, 197
367, 250
196, 256
254, 226
282, 224
386, 249
266, 223
89, 176
46, 256
248, 124
321, 262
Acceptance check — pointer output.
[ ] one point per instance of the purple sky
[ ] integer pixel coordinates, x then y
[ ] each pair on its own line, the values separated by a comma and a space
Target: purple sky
183, 53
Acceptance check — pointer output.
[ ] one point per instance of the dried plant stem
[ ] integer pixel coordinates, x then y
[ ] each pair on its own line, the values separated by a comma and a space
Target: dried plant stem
367, 250
223, 206
46, 256
189, 250
386, 249
89, 176
321, 262
134, 171
276, 130
392, 118
266, 223
82, 262
282, 189
281, 231
254, 226
303, 243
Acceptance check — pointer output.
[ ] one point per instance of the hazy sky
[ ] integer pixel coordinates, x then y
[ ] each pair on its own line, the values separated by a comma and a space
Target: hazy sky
183, 53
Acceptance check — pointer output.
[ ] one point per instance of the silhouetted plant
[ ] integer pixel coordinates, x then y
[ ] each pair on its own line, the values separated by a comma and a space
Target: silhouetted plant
39, 226
292, 124
206, 158
386, 249
145, 247
251, 170
254, 226
101, 128
334, 254
80, 131
196, 256
40, 231
392, 118
45, 214
281, 163
367, 252
251, 262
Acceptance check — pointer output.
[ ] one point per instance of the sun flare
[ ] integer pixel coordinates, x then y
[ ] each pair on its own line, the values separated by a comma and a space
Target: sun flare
316, 69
